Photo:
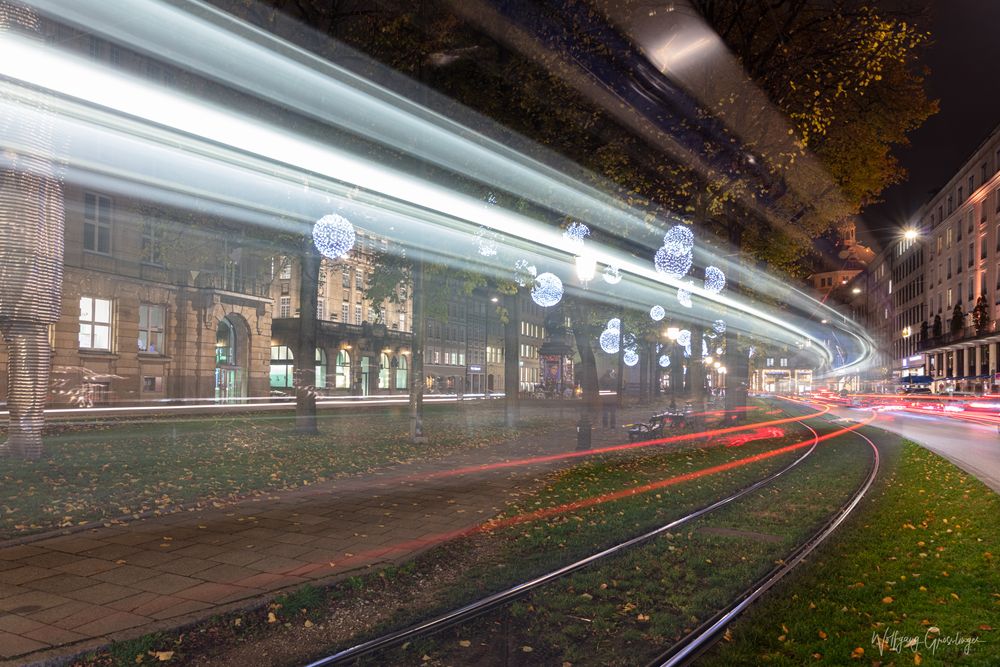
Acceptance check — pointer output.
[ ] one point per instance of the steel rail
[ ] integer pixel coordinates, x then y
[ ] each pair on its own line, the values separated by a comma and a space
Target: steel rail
483, 605
696, 643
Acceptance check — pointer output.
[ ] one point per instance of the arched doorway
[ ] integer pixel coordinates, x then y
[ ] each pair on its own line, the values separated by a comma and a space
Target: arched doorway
342, 371
384, 369
231, 354
320, 368
401, 379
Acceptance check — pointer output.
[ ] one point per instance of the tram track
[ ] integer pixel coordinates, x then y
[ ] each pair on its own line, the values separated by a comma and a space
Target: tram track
480, 607
686, 651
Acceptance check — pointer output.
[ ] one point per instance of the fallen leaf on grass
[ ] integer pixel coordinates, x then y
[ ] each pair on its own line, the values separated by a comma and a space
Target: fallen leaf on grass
307, 624
271, 618
887, 599
465, 643
857, 653
162, 656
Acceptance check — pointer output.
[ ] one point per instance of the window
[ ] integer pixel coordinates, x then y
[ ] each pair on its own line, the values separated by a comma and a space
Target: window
359, 279
342, 372
95, 323
345, 279
972, 253
151, 326
960, 194
949, 298
95, 47
948, 235
770, 362
949, 267
152, 384
401, 373
320, 309
972, 184
357, 313
152, 243
783, 362
286, 269
402, 321
97, 223
951, 205
282, 367
345, 313
384, 369
320, 368
285, 306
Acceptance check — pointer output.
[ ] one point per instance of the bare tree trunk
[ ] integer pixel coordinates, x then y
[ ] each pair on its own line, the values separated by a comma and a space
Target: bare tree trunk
621, 357
305, 349
511, 359
587, 375
417, 384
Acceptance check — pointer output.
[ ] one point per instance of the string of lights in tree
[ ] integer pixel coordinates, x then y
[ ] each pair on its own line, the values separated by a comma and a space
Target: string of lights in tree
610, 340
524, 272
333, 235
547, 290
715, 280
574, 234
684, 297
719, 326
657, 313
664, 361
488, 241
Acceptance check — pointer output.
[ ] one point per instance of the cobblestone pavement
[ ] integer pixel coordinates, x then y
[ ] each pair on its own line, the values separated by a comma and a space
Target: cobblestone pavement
67, 593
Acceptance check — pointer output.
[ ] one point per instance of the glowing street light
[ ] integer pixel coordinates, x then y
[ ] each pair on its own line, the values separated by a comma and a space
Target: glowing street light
856, 290
911, 234
673, 333
586, 267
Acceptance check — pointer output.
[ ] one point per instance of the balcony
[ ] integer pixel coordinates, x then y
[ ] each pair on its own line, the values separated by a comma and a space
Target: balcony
967, 337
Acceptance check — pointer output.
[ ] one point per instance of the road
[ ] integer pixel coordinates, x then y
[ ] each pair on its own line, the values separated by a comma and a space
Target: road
971, 446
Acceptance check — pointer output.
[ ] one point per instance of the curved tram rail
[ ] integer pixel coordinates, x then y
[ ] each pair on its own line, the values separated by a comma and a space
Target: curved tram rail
693, 645
475, 609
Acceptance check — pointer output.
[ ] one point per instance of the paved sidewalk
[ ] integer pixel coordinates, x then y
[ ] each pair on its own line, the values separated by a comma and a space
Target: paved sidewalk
70, 593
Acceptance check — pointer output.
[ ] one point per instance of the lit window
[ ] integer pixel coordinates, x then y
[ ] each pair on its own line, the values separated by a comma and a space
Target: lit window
95, 323
285, 306
282, 366
286, 269
342, 377
151, 327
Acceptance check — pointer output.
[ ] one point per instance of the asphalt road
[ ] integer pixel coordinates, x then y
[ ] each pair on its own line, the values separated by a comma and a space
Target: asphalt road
973, 447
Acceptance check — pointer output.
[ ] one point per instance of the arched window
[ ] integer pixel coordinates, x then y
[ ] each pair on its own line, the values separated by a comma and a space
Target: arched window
282, 366
383, 371
320, 368
342, 377
401, 379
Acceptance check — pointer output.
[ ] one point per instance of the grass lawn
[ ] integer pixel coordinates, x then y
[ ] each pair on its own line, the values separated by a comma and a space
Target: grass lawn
506, 553
629, 608
913, 580
106, 470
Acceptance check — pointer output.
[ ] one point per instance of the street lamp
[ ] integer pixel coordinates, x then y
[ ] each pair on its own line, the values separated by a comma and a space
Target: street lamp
586, 267
673, 333
911, 234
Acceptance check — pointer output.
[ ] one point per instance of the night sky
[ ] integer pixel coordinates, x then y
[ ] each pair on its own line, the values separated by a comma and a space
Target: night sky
963, 61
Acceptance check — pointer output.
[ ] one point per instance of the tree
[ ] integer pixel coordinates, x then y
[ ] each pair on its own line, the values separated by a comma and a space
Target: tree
957, 320
981, 314
938, 328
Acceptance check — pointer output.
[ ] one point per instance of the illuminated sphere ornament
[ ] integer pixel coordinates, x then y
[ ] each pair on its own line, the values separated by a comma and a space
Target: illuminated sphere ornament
333, 236
672, 260
610, 340
628, 340
684, 338
612, 274
656, 313
547, 290
575, 234
631, 357
715, 280
524, 272
615, 323
487, 240
684, 297
664, 361
719, 326
681, 235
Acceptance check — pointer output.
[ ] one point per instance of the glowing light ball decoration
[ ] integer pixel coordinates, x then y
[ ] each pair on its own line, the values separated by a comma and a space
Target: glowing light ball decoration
684, 297
610, 340
333, 235
547, 290
719, 326
715, 280
684, 338
612, 274
656, 313
628, 340
615, 323
487, 240
524, 272
664, 361
574, 235
673, 261
631, 357
680, 235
